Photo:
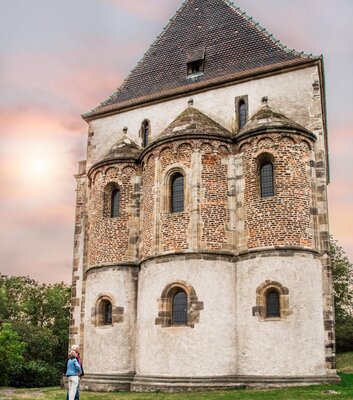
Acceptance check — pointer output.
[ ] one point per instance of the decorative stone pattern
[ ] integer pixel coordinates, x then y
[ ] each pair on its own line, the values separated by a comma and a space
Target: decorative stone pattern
77, 270
284, 219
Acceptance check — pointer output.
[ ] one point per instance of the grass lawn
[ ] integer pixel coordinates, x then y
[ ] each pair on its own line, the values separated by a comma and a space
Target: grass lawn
341, 391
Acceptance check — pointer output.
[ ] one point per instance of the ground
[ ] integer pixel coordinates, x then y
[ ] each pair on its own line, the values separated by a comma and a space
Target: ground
323, 392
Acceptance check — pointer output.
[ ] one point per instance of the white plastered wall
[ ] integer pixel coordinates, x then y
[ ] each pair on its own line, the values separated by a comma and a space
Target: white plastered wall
110, 349
291, 346
208, 349
289, 93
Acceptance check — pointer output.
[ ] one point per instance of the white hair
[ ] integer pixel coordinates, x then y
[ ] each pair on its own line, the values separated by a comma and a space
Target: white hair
75, 347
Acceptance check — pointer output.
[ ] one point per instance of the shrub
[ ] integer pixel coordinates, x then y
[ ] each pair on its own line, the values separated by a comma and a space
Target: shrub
35, 374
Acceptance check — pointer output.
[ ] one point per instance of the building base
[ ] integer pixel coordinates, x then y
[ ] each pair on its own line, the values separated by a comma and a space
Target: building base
140, 383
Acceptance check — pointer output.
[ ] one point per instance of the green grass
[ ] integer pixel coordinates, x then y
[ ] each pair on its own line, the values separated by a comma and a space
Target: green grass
344, 390
345, 363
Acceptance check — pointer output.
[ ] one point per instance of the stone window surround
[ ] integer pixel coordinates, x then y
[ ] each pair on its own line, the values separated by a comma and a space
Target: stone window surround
107, 198
262, 158
97, 312
261, 301
165, 303
166, 187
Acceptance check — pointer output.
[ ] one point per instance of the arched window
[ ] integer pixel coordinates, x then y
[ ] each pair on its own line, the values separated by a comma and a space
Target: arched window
145, 132
177, 193
272, 301
108, 313
266, 179
272, 305
180, 309
115, 203
242, 113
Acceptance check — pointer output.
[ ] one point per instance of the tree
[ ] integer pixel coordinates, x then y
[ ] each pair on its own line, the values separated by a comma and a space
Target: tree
11, 352
342, 276
39, 316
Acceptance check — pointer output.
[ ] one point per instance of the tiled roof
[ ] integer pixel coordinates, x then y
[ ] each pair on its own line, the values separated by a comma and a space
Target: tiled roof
265, 118
193, 122
232, 44
124, 148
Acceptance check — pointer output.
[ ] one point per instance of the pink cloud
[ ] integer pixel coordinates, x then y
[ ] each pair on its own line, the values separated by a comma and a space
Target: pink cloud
156, 10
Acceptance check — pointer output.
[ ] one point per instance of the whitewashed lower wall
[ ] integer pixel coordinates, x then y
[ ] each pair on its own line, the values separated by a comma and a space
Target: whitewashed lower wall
209, 347
109, 349
294, 345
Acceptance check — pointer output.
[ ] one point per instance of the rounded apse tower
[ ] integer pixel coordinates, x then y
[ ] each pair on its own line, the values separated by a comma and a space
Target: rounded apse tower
112, 230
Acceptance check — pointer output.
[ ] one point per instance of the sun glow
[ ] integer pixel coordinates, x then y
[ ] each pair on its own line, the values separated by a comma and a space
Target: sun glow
40, 167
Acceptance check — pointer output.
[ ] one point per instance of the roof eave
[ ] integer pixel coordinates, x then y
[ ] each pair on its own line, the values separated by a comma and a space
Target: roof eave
199, 87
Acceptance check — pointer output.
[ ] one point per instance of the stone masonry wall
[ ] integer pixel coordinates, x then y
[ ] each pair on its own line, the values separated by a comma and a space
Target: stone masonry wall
204, 223
285, 218
113, 240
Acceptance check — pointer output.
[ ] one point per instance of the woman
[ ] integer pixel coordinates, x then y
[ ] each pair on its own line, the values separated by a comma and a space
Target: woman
72, 372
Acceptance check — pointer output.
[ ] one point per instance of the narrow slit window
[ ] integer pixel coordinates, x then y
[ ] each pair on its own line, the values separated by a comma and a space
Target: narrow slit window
272, 305
179, 313
266, 180
115, 203
145, 130
177, 193
108, 314
242, 114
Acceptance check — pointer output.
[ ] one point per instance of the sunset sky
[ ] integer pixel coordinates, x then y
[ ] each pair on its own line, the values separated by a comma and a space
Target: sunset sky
60, 58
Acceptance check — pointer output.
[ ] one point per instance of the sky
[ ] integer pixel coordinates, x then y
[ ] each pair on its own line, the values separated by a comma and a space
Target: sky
61, 58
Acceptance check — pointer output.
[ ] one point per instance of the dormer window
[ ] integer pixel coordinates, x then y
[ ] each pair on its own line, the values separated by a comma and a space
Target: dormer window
195, 62
195, 67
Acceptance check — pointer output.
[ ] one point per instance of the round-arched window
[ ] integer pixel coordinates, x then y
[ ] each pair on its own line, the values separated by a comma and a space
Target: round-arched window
272, 304
177, 193
266, 180
179, 310
115, 203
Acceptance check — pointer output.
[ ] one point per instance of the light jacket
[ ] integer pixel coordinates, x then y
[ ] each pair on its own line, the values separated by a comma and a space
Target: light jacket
73, 367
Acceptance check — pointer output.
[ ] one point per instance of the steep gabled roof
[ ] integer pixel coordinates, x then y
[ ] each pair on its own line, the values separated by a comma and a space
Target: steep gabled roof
231, 42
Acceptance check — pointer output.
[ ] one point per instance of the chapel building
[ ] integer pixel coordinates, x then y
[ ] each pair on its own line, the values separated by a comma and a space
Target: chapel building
201, 255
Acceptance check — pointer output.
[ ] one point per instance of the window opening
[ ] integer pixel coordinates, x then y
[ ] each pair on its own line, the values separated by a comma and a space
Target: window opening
145, 133
195, 67
273, 308
266, 177
242, 114
177, 193
115, 203
180, 303
108, 319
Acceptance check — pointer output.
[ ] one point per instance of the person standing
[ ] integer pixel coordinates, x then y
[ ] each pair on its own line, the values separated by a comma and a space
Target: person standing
73, 371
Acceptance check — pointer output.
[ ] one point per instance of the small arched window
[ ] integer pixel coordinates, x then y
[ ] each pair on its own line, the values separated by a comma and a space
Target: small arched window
177, 193
266, 179
242, 114
272, 305
180, 309
108, 313
145, 132
115, 203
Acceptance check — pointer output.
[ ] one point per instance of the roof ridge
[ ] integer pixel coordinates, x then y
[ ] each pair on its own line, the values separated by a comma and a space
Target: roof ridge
164, 30
266, 33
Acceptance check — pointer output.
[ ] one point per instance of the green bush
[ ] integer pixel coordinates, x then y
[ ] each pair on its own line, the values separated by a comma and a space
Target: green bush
35, 374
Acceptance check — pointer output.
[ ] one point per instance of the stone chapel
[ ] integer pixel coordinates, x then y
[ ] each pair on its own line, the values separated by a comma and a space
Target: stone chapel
201, 240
